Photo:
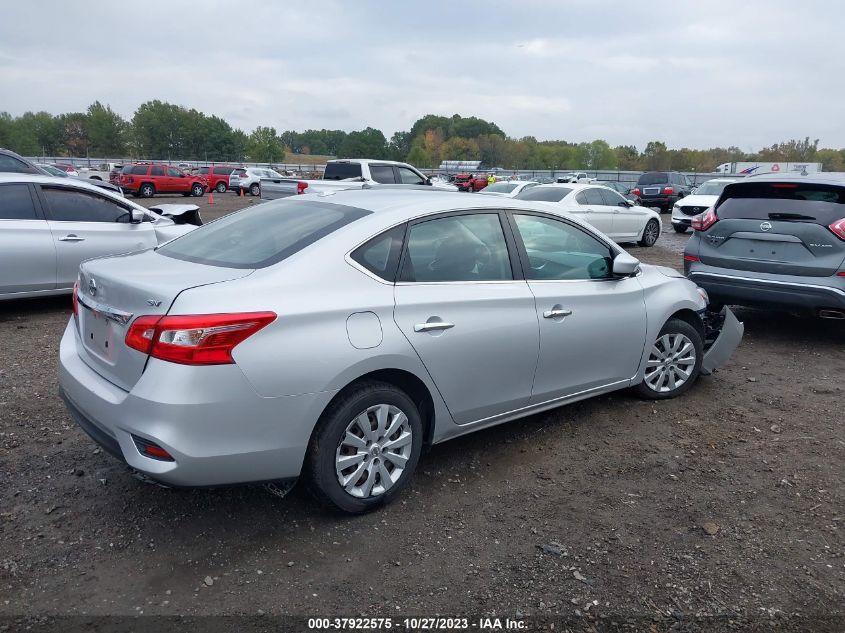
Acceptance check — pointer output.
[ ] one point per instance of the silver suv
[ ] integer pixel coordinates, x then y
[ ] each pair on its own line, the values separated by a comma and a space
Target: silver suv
774, 240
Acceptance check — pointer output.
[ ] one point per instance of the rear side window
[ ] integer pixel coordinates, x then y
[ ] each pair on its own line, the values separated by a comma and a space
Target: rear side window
223, 171
788, 201
71, 205
16, 203
544, 194
467, 247
381, 254
342, 171
263, 235
653, 178
382, 174
136, 170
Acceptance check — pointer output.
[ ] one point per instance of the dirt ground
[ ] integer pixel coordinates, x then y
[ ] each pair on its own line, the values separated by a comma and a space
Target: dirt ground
723, 509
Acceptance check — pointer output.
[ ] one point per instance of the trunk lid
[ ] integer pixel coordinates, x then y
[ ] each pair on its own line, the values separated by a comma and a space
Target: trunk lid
113, 291
777, 227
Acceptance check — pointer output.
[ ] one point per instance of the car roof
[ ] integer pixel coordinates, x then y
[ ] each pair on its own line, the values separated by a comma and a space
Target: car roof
722, 180
575, 186
367, 161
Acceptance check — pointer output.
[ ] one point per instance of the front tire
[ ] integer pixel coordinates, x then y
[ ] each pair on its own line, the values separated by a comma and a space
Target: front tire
674, 362
254, 189
197, 190
650, 233
365, 448
221, 187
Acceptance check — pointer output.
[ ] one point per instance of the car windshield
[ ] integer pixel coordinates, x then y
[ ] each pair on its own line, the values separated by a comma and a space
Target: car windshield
544, 194
261, 236
653, 178
711, 188
501, 187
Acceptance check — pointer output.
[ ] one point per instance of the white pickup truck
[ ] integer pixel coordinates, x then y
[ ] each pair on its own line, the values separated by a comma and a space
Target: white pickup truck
352, 173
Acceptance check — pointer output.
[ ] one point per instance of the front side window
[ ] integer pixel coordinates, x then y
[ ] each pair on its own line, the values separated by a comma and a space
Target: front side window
593, 196
157, 170
263, 235
174, 173
13, 165
16, 203
613, 199
410, 177
559, 251
457, 248
70, 205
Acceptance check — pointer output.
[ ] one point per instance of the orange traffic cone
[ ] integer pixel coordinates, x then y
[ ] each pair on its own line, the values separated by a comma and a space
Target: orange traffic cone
210, 197
242, 191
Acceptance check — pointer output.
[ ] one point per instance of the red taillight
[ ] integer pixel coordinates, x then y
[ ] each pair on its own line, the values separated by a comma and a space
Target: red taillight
841, 273
705, 220
784, 185
838, 228
635, 191
668, 191
202, 339
301, 187
691, 258
75, 298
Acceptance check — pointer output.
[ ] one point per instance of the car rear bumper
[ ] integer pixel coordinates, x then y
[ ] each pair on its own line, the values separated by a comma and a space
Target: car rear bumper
731, 287
664, 202
210, 419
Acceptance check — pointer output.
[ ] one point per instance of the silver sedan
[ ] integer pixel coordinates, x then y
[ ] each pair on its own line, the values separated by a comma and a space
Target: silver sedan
49, 225
330, 337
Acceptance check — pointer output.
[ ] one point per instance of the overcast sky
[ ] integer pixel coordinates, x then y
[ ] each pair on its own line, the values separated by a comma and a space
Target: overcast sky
690, 73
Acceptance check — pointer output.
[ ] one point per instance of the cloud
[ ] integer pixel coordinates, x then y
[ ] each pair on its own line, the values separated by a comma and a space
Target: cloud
689, 73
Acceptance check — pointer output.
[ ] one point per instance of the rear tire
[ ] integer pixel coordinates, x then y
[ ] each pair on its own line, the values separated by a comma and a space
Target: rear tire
146, 190
373, 456
650, 233
674, 362
254, 189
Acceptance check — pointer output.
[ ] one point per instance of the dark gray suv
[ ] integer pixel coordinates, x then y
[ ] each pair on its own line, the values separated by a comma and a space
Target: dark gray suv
774, 241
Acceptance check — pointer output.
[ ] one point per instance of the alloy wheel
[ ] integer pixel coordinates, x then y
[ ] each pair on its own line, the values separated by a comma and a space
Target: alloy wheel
374, 450
652, 231
670, 363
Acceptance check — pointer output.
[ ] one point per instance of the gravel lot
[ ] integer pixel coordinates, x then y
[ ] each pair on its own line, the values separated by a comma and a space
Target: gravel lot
725, 505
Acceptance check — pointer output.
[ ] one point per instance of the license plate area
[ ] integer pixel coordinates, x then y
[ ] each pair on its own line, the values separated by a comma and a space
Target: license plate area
99, 334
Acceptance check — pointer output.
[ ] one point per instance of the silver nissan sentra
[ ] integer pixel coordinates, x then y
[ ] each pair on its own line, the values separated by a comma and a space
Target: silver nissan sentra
332, 336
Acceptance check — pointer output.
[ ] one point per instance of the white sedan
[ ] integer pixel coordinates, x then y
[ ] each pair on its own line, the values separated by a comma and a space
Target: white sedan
605, 209
508, 188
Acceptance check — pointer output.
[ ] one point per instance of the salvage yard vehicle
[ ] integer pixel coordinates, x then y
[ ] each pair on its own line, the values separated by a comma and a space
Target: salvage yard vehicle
331, 336
508, 188
148, 179
249, 179
49, 225
621, 188
661, 189
470, 182
356, 173
217, 176
774, 241
702, 198
603, 208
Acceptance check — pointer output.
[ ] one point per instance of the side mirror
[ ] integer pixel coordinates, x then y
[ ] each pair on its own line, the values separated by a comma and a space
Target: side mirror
625, 265
137, 216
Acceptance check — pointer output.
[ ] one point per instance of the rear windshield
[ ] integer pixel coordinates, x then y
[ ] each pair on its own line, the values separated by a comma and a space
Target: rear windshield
263, 235
544, 194
653, 178
790, 201
342, 171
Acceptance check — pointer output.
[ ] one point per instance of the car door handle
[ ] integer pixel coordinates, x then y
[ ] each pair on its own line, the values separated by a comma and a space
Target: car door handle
71, 238
433, 326
556, 311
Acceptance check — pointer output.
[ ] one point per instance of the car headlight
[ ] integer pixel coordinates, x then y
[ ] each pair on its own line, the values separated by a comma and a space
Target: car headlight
704, 295
676, 208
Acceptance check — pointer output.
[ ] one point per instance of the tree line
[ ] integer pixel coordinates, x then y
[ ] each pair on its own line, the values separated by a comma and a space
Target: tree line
159, 130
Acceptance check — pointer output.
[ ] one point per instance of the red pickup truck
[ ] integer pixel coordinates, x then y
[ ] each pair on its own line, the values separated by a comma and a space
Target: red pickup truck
218, 176
146, 180
470, 182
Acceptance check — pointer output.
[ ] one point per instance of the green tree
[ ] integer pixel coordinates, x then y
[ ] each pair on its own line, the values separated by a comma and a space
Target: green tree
367, 143
627, 157
656, 155
106, 131
265, 146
